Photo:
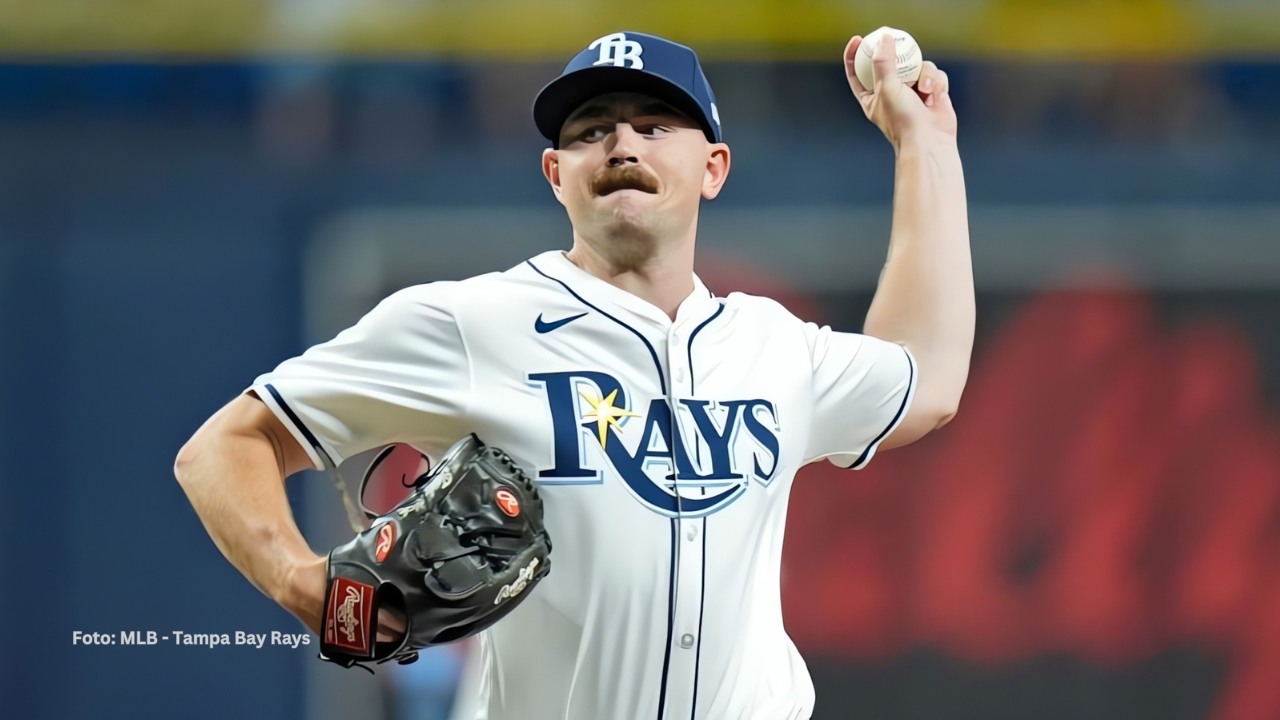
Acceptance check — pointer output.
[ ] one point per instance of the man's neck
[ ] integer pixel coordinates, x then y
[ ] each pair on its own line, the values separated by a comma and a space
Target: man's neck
664, 280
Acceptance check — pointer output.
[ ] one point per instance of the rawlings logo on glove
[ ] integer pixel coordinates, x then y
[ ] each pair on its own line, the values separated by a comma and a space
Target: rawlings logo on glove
354, 603
517, 587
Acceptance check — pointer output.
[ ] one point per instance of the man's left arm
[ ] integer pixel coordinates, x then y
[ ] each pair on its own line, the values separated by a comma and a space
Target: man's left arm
925, 298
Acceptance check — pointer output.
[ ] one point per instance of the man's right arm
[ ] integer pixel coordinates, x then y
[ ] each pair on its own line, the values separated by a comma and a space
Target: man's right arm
233, 471
400, 374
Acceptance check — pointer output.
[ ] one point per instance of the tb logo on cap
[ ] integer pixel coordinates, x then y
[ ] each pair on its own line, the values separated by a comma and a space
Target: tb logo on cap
617, 50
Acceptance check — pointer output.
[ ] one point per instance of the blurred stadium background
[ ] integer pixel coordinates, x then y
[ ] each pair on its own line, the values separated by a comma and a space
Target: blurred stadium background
192, 191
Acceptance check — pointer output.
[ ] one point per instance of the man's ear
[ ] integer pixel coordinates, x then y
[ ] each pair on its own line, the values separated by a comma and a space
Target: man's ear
551, 170
717, 171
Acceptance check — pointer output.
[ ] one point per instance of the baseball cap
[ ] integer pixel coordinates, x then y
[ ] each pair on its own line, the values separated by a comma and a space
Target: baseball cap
629, 62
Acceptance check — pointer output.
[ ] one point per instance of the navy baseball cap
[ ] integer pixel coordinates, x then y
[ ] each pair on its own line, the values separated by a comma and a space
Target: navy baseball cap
629, 62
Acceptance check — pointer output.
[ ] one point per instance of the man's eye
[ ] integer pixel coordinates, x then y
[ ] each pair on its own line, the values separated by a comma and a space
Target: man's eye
599, 133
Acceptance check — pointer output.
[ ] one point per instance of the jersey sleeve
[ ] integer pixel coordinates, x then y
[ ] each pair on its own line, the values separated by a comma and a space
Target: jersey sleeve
862, 390
400, 374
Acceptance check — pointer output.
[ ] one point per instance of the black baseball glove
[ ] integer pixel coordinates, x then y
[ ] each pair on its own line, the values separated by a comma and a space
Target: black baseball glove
459, 553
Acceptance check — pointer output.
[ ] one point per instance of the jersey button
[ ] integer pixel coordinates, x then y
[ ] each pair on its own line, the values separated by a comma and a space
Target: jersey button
686, 641
678, 375
692, 534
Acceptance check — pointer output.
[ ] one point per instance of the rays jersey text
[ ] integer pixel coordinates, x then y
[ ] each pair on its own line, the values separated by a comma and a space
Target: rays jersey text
689, 458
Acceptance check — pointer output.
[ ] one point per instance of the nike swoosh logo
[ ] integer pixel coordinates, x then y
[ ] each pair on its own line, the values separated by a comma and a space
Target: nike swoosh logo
544, 327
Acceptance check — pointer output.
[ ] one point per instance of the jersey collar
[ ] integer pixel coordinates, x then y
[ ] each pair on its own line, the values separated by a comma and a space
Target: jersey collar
556, 264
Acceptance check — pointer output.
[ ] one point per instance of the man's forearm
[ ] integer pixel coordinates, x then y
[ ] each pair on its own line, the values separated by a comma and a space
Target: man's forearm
235, 482
925, 299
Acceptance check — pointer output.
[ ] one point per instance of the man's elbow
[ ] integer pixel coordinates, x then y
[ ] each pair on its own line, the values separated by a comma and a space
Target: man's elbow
945, 414
187, 458
921, 420
198, 450
936, 404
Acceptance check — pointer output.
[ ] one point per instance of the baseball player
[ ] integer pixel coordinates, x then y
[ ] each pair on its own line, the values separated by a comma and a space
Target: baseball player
664, 425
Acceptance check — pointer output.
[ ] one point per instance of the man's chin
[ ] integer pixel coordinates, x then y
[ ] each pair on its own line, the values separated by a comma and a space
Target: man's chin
627, 223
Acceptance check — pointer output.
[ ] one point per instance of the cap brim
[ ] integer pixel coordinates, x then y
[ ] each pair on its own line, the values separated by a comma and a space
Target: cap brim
568, 92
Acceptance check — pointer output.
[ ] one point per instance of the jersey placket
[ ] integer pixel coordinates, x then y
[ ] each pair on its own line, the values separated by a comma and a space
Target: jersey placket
687, 553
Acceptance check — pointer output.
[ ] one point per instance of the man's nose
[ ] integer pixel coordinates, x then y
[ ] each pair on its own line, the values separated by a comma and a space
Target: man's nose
623, 149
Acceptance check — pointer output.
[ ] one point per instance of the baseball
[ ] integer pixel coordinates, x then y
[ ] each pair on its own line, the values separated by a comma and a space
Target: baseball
909, 58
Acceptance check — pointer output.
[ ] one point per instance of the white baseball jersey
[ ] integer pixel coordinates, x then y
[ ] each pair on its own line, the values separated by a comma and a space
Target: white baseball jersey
665, 452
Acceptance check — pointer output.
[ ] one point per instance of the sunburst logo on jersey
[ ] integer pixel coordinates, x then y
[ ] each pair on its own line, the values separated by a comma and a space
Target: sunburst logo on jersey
604, 413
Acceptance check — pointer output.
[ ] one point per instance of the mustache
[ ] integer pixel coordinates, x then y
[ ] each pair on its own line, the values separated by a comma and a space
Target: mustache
623, 178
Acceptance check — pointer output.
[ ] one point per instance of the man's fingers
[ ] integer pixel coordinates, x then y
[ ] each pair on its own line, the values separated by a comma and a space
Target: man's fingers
932, 84
391, 619
391, 625
884, 62
850, 67
851, 52
932, 80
